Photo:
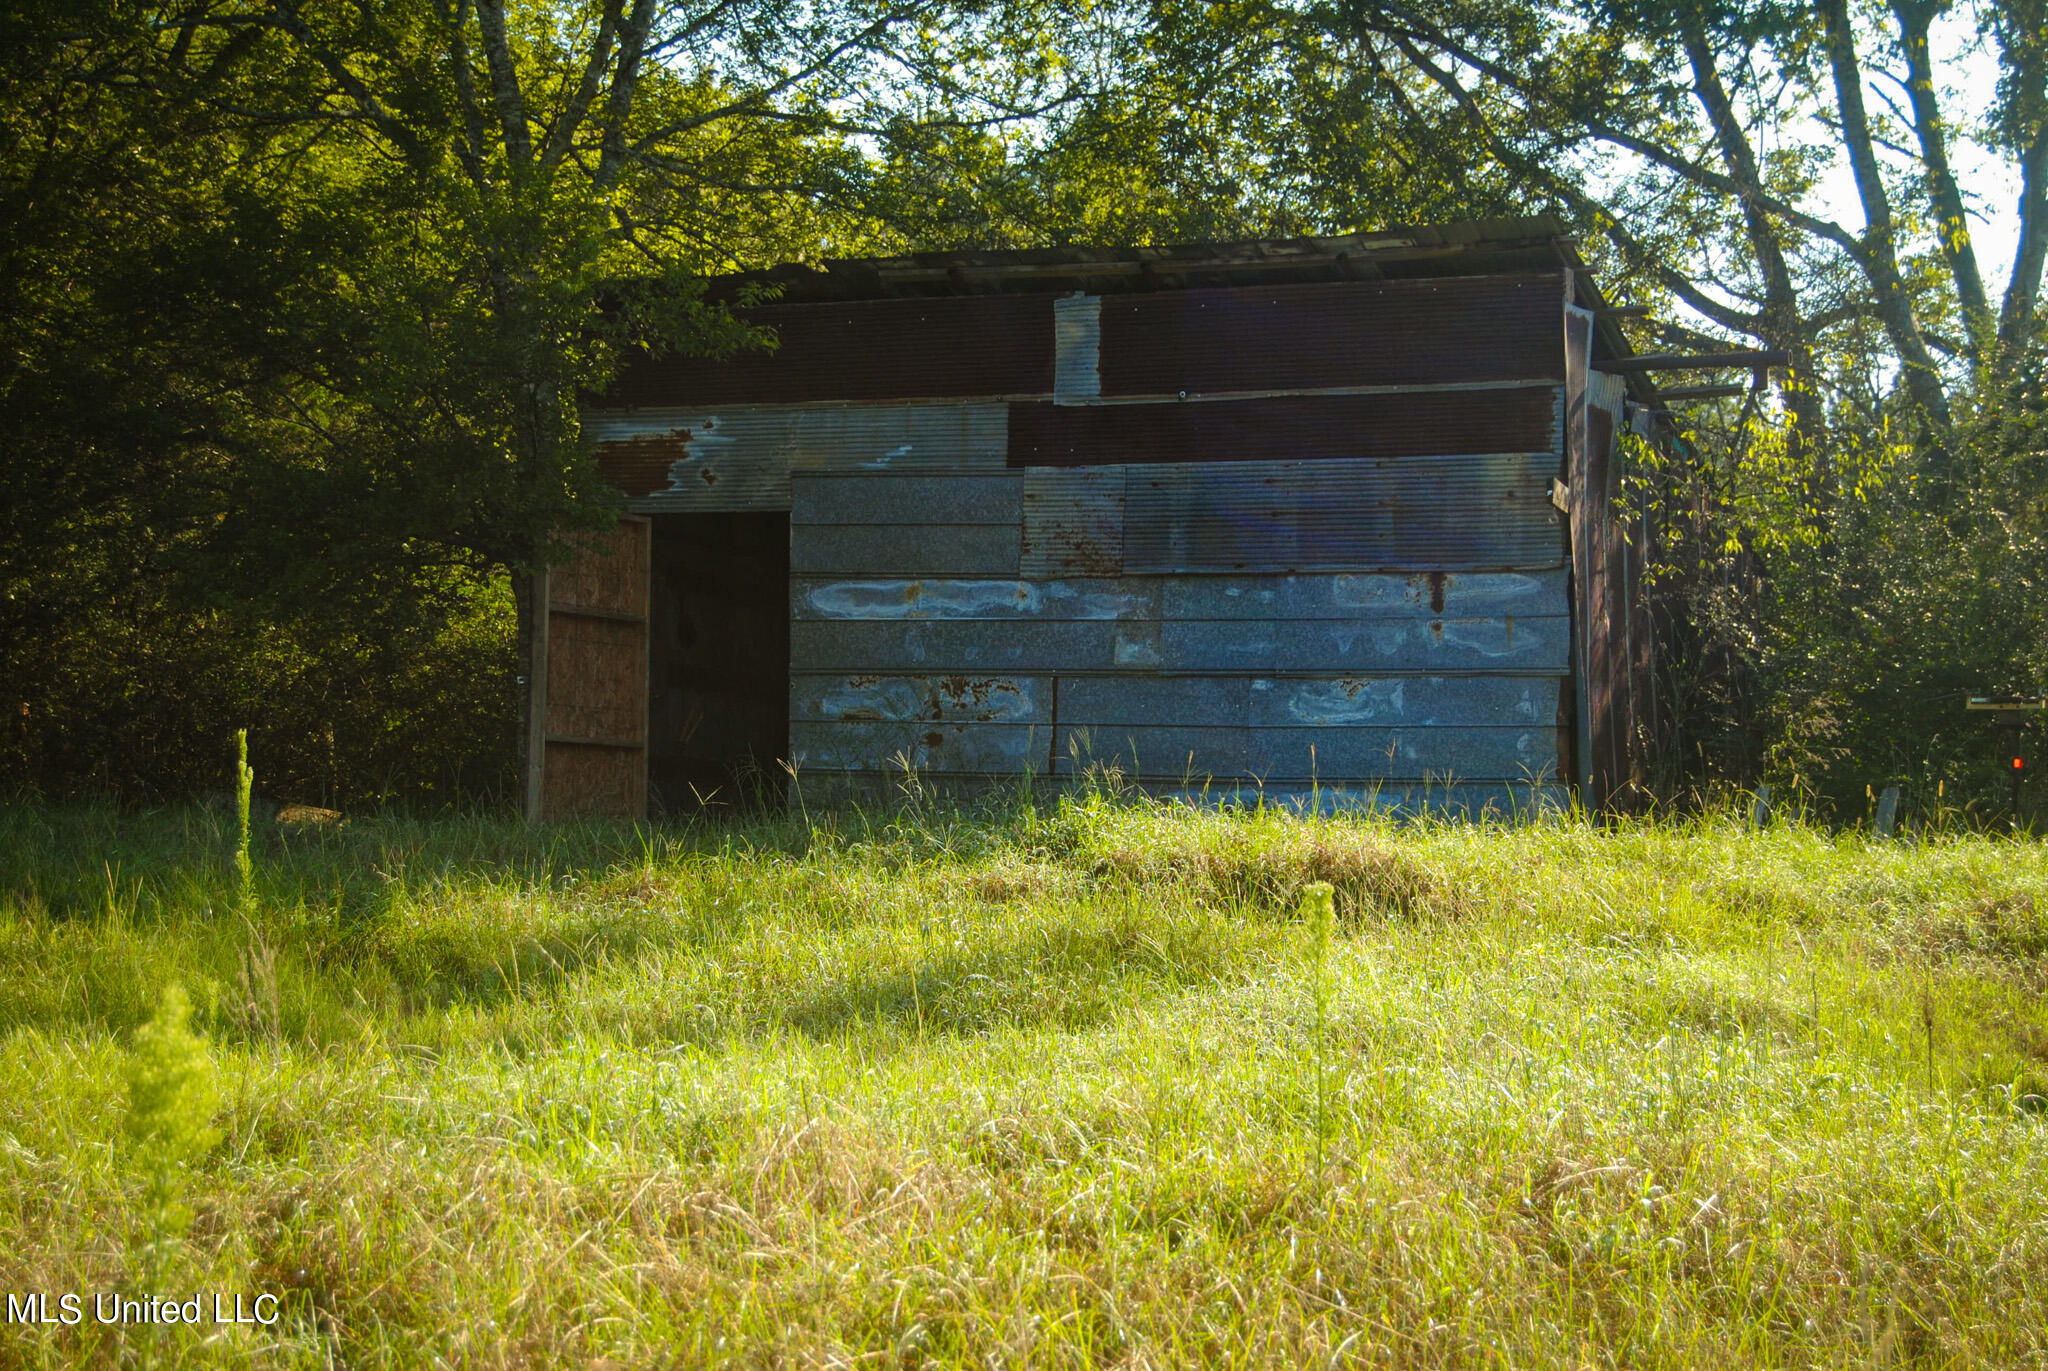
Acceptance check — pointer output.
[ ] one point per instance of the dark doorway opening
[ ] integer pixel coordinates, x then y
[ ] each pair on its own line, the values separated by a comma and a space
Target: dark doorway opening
718, 660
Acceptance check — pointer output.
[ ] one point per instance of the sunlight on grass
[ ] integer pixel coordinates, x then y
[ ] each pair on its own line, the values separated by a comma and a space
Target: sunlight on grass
1064, 1084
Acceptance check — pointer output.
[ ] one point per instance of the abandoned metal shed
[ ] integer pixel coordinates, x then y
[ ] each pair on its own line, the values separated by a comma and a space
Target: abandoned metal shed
1336, 513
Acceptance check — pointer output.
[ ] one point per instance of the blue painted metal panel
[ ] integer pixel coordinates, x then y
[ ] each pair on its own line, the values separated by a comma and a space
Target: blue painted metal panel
1450, 513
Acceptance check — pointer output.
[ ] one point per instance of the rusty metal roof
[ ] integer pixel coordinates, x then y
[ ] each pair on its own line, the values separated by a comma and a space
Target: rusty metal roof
1478, 247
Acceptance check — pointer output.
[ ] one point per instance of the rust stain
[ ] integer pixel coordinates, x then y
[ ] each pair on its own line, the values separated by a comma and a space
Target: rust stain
708, 476
1436, 592
1350, 685
1436, 629
935, 738
858, 682
640, 466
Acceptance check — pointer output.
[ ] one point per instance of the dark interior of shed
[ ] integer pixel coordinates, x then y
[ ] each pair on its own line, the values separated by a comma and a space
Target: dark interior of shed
718, 660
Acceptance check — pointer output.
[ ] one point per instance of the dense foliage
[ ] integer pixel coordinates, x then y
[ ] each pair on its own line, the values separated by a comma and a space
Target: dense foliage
301, 298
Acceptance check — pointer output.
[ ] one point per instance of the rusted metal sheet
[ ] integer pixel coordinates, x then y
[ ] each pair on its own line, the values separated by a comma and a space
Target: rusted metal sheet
903, 550
942, 598
1077, 342
922, 699
905, 501
1532, 644
860, 745
864, 350
1315, 428
1465, 512
1300, 754
697, 461
1073, 521
1300, 337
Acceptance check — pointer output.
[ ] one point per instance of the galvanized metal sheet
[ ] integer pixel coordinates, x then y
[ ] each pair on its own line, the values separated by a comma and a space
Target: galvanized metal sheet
1073, 521
696, 461
905, 501
1532, 645
1473, 328
867, 550
1417, 595
1468, 513
921, 699
844, 745
1339, 753
900, 439
864, 350
942, 598
1077, 339
1317, 428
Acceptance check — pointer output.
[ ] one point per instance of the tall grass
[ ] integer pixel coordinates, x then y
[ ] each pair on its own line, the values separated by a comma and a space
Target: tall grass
1071, 1083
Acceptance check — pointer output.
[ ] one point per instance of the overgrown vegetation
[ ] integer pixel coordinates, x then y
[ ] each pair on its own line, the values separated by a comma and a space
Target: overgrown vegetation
303, 300
1074, 1083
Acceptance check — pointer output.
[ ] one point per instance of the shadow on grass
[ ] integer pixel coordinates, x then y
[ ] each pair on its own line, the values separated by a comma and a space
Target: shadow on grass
1074, 978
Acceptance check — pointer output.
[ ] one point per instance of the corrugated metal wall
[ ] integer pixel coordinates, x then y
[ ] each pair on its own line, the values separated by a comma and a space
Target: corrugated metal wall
1333, 560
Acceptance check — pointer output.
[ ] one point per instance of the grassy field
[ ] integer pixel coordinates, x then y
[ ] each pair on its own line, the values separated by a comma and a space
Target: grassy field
1053, 1085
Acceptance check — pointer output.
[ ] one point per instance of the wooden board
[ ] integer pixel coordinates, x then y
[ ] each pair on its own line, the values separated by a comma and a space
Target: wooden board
589, 730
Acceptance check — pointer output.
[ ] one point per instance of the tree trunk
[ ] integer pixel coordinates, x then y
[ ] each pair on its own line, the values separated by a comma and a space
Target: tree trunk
1878, 249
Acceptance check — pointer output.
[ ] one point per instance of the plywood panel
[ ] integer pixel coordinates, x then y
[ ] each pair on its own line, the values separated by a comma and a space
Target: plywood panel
607, 572
591, 696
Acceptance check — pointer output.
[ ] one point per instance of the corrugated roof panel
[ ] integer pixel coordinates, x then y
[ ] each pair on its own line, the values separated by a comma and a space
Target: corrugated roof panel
1450, 513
